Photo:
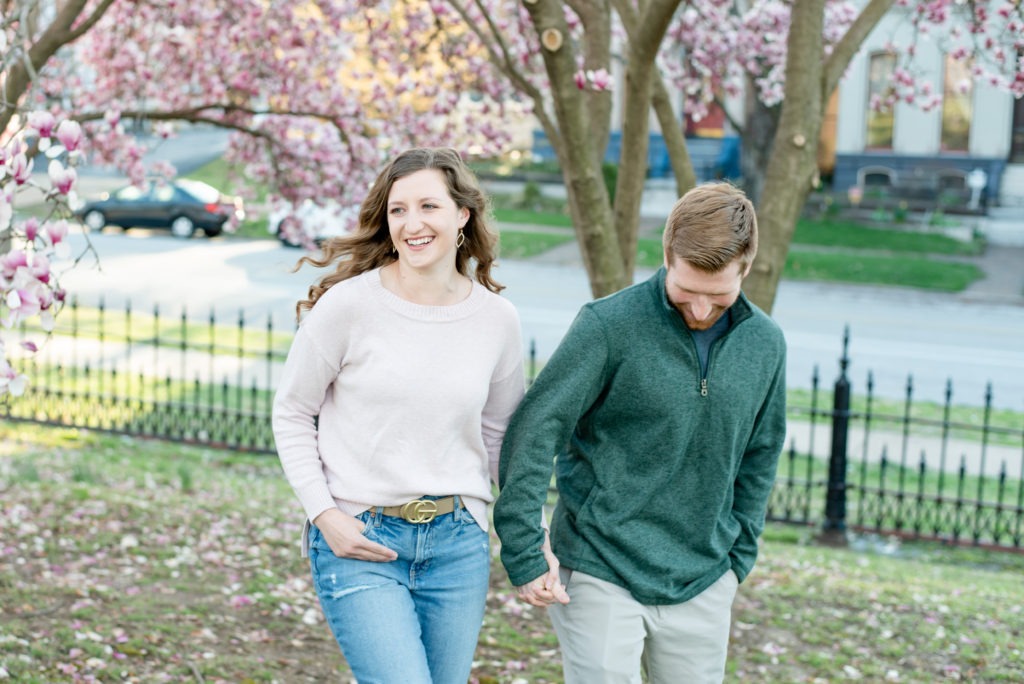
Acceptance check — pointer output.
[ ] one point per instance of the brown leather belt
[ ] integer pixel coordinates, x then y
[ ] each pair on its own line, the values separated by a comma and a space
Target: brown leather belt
422, 510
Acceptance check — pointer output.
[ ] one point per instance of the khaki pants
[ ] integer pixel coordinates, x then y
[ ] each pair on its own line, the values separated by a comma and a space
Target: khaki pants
606, 635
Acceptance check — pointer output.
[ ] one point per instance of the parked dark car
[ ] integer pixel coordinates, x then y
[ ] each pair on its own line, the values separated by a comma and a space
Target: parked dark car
182, 205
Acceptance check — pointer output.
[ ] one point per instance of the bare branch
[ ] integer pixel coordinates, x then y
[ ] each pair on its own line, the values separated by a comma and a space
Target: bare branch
502, 60
89, 22
58, 34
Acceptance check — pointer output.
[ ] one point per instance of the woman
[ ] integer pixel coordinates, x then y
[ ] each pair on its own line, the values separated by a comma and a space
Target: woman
389, 418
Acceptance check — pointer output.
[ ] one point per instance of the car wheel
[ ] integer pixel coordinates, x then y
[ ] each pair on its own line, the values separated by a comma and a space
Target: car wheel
182, 227
214, 231
94, 219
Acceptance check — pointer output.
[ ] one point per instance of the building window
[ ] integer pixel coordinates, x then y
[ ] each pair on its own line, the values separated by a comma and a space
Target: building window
880, 114
957, 92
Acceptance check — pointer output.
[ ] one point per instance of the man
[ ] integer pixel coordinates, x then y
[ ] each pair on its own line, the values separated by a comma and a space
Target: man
665, 408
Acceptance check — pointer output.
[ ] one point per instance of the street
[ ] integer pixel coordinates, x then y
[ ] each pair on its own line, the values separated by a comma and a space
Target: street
893, 332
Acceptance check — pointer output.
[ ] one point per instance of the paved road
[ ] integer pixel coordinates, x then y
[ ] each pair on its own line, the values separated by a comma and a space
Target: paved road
893, 332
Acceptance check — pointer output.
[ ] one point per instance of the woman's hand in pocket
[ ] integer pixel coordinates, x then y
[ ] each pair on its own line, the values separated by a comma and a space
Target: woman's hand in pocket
344, 534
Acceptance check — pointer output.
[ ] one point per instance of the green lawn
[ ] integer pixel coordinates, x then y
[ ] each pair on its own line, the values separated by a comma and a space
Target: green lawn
537, 218
516, 244
847, 234
139, 560
880, 269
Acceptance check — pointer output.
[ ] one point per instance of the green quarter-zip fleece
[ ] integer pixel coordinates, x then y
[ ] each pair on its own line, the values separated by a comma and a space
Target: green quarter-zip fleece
663, 475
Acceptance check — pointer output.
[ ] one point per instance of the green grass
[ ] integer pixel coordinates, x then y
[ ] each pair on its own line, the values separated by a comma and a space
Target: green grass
847, 234
170, 330
965, 421
524, 245
799, 470
874, 269
530, 217
141, 560
225, 178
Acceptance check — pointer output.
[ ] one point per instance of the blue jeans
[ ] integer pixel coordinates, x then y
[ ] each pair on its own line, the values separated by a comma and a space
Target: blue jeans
414, 620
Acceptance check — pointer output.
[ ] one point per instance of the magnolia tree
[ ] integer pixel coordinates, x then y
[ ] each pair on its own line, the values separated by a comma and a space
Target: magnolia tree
789, 55
317, 94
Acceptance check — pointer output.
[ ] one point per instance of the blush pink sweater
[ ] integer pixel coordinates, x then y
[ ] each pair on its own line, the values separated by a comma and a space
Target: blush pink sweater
412, 400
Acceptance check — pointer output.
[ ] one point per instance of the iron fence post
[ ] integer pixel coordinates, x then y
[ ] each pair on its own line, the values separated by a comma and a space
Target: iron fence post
834, 528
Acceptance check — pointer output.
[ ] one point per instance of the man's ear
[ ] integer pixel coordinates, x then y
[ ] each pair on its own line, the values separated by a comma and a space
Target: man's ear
746, 270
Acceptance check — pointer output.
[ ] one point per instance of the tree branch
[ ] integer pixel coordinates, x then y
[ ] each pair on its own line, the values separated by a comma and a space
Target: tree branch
57, 34
88, 23
845, 50
502, 60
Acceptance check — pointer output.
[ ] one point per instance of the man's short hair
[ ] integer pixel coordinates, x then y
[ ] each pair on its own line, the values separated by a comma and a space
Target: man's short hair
711, 226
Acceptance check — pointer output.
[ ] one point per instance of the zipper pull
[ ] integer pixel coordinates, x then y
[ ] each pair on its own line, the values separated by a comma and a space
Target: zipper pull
703, 387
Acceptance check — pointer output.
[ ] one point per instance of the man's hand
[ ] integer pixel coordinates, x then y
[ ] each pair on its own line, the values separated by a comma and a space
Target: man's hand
547, 588
344, 534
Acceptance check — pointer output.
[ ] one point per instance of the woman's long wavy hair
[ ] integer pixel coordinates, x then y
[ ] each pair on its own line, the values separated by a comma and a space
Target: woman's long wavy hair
370, 246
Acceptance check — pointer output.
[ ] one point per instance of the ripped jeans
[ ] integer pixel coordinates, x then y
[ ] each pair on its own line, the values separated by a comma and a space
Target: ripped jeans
413, 620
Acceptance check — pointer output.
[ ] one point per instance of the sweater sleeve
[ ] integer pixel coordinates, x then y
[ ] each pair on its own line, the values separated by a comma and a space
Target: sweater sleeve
502, 399
757, 471
304, 382
566, 387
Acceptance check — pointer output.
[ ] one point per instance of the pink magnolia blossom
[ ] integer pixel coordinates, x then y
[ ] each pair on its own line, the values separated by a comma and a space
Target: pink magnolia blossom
69, 133
11, 262
600, 79
56, 231
31, 228
41, 123
63, 178
22, 303
11, 381
40, 268
20, 168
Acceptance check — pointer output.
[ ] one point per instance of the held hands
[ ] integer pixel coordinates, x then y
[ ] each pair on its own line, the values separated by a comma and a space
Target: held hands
547, 588
344, 534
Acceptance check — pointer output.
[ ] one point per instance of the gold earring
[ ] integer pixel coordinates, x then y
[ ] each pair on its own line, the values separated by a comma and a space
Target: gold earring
461, 240
394, 249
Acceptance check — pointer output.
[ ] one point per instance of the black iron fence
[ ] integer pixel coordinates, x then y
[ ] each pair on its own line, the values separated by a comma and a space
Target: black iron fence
920, 470
854, 462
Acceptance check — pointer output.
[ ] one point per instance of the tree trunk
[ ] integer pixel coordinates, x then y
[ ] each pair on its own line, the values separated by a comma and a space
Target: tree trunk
58, 34
810, 80
759, 128
792, 165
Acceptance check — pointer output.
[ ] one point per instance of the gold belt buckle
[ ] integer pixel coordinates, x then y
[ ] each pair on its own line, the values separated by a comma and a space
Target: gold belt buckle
419, 511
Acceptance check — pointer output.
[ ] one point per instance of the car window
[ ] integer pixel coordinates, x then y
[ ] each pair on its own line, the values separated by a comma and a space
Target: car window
201, 191
130, 193
163, 193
